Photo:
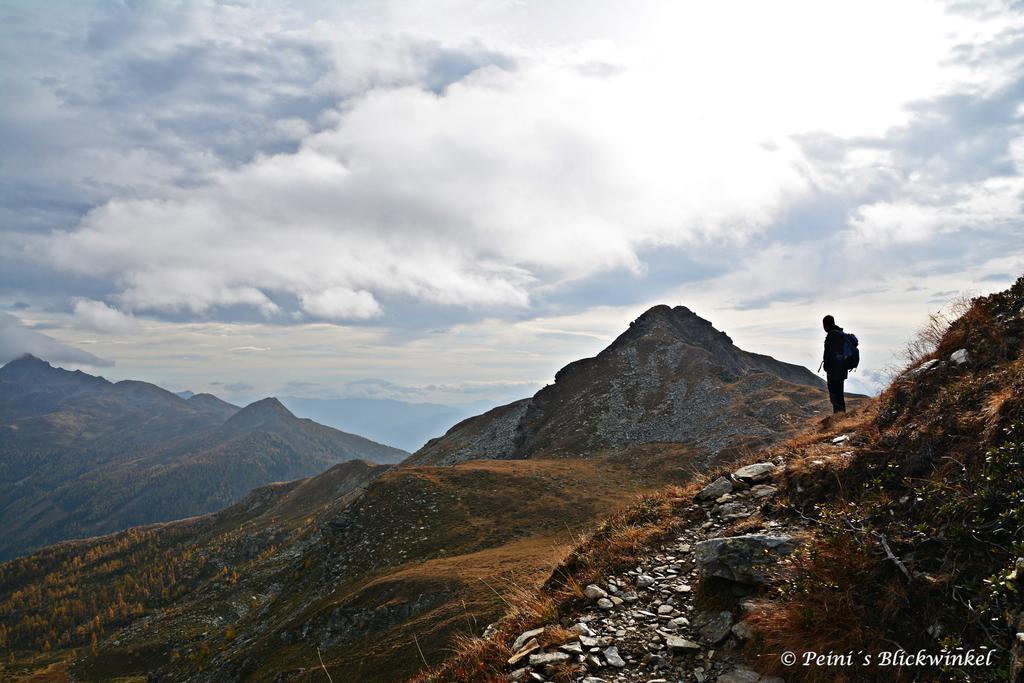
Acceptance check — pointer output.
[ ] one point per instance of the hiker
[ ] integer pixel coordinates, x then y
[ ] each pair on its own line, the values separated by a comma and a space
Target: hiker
834, 363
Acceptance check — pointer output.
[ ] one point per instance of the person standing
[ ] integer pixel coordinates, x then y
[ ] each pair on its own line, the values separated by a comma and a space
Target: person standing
835, 363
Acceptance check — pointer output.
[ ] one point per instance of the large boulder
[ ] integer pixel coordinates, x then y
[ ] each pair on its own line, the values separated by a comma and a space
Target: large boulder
743, 559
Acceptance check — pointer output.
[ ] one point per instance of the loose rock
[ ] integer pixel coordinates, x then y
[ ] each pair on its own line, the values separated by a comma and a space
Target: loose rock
759, 471
743, 559
739, 676
681, 645
714, 626
525, 637
611, 655
546, 658
717, 488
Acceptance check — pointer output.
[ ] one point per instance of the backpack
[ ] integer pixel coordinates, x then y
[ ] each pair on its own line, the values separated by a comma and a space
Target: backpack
851, 354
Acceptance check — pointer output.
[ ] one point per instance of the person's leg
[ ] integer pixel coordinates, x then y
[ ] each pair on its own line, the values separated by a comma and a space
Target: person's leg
835, 392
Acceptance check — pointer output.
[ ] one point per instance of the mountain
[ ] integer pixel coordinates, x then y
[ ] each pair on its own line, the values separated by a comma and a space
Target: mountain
81, 456
848, 539
148, 567
208, 403
671, 377
399, 423
426, 551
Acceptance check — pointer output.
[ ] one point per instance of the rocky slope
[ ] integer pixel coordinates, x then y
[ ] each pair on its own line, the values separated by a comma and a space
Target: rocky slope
81, 456
885, 545
645, 624
671, 377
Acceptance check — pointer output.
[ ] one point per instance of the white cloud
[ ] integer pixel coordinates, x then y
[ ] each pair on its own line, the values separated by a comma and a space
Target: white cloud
367, 163
16, 340
470, 198
98, 316
339, 303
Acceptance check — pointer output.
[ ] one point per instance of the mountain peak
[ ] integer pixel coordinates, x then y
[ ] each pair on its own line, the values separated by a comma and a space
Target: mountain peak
269, 404
679, 322
260, 413
26, 361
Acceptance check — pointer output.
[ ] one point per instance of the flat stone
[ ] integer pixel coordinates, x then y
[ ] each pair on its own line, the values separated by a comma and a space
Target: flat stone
681, 645
611, 655
644, 581
759, 471
718, 487
763, 491
739, 676
666, 609
713, 626
519, 675
589, 641
743, 559
582, 629
546, 658
925, 367
959, 356
525, 637
678, 622
605, 603
572, 648
523, 651
730, 509
594, 592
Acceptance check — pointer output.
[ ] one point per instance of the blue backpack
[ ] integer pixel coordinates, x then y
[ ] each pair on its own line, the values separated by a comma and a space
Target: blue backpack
851, 354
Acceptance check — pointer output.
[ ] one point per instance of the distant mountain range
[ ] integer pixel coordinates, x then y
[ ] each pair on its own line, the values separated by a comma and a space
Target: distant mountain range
402, 424
82, 456
421, 549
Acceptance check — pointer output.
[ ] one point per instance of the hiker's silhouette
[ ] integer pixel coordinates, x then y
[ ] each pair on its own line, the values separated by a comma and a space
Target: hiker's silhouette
834, 363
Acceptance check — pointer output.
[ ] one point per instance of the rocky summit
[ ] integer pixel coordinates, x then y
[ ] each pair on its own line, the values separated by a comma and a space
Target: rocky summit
670, 378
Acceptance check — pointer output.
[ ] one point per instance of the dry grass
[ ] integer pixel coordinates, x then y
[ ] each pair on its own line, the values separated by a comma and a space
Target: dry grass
935, 470
618, 543
825, 609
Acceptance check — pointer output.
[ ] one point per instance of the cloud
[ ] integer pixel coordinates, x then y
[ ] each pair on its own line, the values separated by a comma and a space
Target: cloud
17, 340
483, 173
508, 181
339, 303
98, 316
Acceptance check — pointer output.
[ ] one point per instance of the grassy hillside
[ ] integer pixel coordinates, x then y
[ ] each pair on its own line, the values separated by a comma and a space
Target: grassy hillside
81, 456
910, 517
65, 600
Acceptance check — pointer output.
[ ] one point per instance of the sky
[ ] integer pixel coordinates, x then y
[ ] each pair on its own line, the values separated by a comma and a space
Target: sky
447, 201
